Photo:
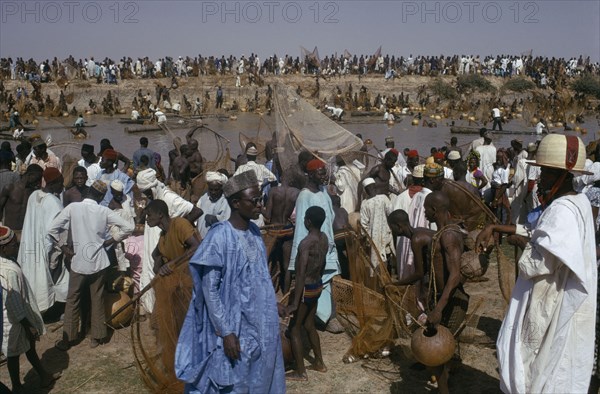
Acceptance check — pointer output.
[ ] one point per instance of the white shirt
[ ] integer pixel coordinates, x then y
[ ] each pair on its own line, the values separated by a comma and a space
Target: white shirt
539, 128
93, 171
335, 111
500, 176
219, 208
262, 173
496, 112
89, 224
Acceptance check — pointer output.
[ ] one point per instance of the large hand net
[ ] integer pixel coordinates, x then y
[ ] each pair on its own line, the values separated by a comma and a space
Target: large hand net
301, 126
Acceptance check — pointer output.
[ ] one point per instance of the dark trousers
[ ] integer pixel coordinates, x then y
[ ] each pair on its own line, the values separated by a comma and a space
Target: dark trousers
498, 122
78, 283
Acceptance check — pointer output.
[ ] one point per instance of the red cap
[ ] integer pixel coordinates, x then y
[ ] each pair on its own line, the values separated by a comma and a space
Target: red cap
412, 154
395, 151
51, 174
110, 154
314, 165
438, 155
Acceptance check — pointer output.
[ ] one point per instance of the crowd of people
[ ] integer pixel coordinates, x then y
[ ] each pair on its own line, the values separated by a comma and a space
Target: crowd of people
417, 210
546, 71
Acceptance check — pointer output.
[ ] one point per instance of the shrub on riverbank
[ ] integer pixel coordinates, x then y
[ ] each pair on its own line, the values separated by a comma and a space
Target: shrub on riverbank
443, 90
475, 83
587, 84
519, 84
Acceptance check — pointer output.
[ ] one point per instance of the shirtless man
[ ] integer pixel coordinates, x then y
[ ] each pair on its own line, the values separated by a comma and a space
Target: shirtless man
465, 206
341, 223
14, 197
382, 173
459, 172
194, 157
76, 192
449, 306
420, 243
279, 208
309, 269
180, 168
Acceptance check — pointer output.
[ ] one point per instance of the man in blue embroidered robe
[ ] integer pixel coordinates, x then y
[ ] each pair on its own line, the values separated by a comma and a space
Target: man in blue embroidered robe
230, 339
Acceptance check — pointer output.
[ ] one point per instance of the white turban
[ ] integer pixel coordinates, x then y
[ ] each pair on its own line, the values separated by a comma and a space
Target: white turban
368, 181
146, 179
117, 185
214, 176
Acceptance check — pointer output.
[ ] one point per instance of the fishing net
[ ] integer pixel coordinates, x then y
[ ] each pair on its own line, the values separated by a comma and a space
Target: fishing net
263, 134
372, 312
214, 149
154, 344
300, 126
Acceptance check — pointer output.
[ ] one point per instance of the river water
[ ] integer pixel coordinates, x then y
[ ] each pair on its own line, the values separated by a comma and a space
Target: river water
405, 135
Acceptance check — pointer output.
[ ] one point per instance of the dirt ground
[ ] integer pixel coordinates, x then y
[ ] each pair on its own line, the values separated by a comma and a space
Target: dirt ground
111, 367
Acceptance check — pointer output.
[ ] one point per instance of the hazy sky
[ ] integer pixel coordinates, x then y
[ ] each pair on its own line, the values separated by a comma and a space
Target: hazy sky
44, 29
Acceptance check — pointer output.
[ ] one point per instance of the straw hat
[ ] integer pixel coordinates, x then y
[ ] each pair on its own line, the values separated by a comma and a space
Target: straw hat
562, 152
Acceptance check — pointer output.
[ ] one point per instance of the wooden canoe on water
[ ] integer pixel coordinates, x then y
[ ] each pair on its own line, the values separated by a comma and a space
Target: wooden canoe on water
133, 121
143, 129
4, 136
475, 130
85, 126
26, 128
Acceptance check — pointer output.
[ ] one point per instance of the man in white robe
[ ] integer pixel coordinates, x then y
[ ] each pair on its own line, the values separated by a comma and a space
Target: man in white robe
22, 323
178, 207
411, 201
34, 251
546, 342
373, 218
487, 153
347, 178
213, 203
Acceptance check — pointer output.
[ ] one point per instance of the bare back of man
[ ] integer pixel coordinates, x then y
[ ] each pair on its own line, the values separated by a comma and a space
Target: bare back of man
465, 204
14, 199
316, 247
280, 206
281, 203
